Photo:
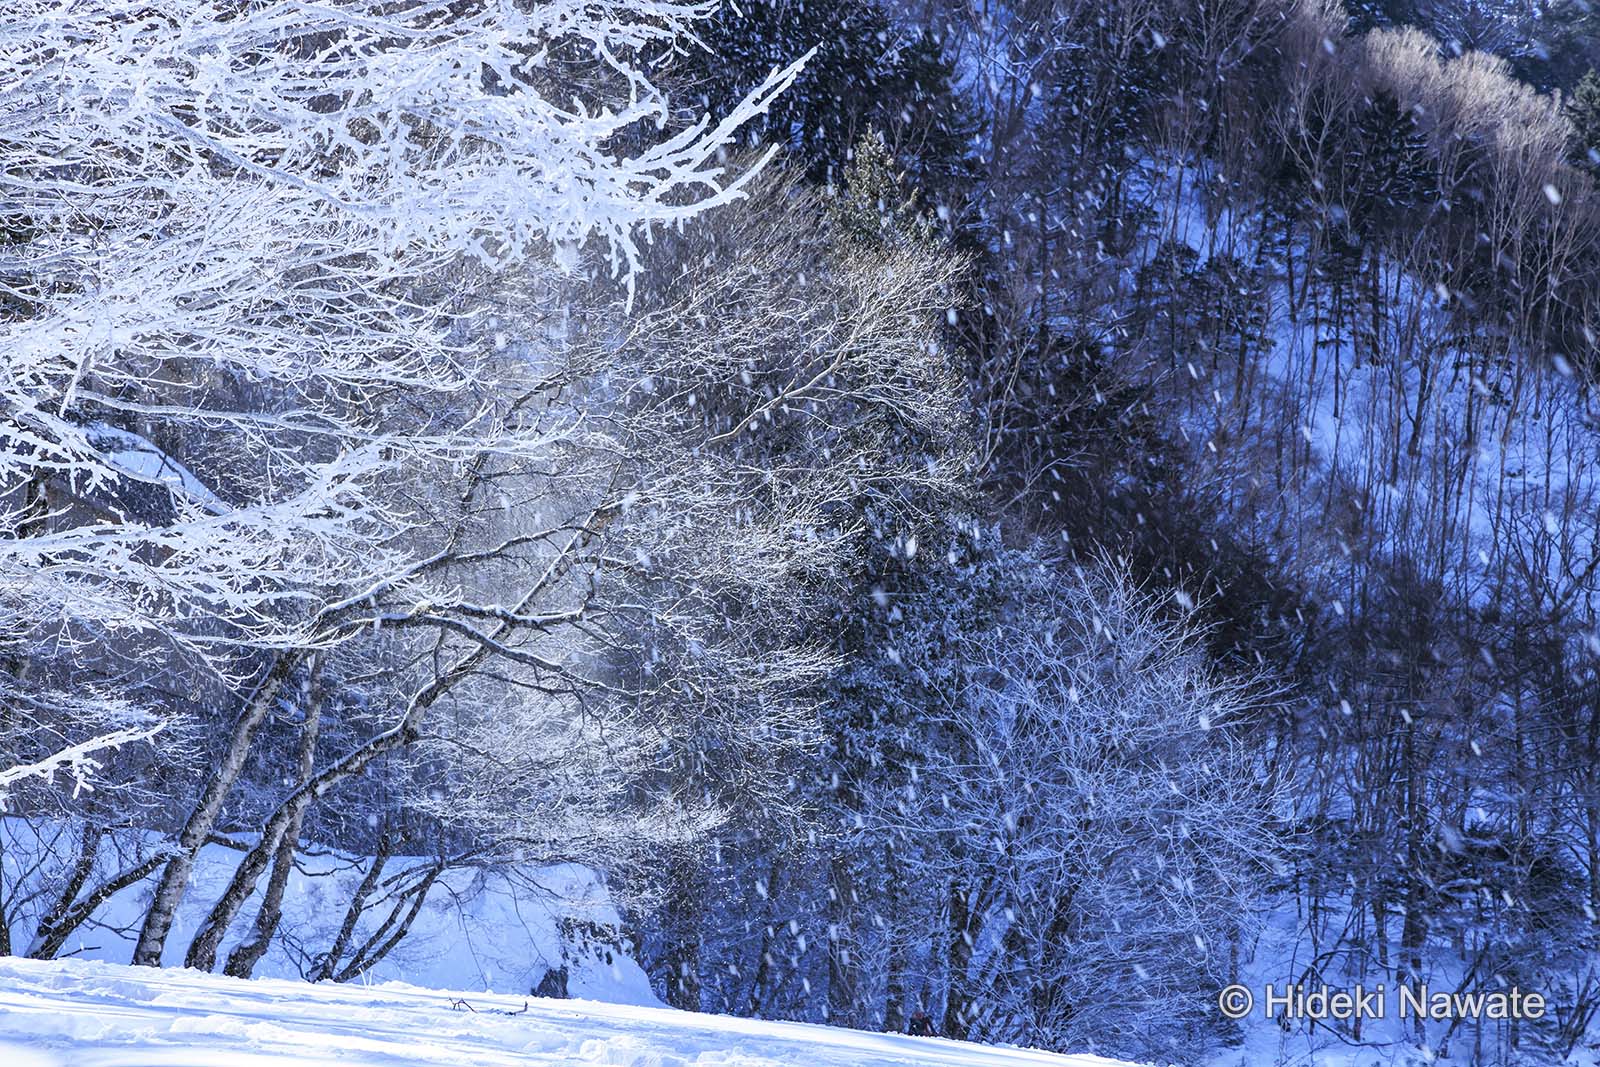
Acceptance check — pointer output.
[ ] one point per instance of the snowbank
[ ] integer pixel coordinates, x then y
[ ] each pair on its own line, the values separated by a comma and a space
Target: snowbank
89, 1014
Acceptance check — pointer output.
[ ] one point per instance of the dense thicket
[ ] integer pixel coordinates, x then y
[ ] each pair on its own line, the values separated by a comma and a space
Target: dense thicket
1295, 308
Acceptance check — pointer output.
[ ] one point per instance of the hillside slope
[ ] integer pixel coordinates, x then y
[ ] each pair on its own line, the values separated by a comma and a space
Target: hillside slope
91, 1014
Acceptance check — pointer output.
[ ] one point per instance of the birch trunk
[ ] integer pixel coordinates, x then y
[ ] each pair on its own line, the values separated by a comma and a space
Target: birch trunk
203, 819
244, 958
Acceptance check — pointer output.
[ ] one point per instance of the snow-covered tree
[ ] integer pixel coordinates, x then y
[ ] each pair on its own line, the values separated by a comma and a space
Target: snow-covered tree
265, 225
800, 413
1059, 826
248, 259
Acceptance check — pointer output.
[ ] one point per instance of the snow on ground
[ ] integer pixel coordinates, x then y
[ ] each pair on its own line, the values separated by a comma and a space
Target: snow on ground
90, 1014
482, 930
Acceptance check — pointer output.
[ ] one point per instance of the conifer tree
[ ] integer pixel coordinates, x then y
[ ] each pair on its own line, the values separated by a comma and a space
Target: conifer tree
864, 73
1583, 109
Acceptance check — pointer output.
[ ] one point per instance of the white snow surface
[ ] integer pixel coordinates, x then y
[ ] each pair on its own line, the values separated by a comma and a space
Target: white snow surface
137, 458
86, 1013
478, 930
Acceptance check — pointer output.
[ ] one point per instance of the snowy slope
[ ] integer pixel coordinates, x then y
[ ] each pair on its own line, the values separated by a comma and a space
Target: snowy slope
90, 1014
481, 930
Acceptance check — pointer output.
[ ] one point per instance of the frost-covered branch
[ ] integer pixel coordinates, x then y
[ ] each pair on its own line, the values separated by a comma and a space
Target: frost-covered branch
77, 761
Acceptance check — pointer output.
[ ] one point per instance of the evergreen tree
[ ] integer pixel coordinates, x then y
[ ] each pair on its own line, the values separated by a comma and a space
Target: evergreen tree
1166, 304
1583, 109
1564, 42
1380, 14
865, 73
1391, 175
874, 208
1232, 312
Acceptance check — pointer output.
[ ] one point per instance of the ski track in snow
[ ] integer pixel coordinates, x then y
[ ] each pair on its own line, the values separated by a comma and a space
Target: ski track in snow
80, 1013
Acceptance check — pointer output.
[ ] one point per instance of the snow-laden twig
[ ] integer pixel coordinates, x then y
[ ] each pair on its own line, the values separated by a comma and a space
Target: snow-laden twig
76, 760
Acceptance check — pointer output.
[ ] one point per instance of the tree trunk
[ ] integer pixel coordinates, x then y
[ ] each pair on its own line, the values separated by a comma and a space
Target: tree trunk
329, 963
203, 819
1414, 929
44, 936
202, 953
5, 919
895, 1014
47, 943
957, 1006
243, 959
763, 976
394, 927
842, 977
